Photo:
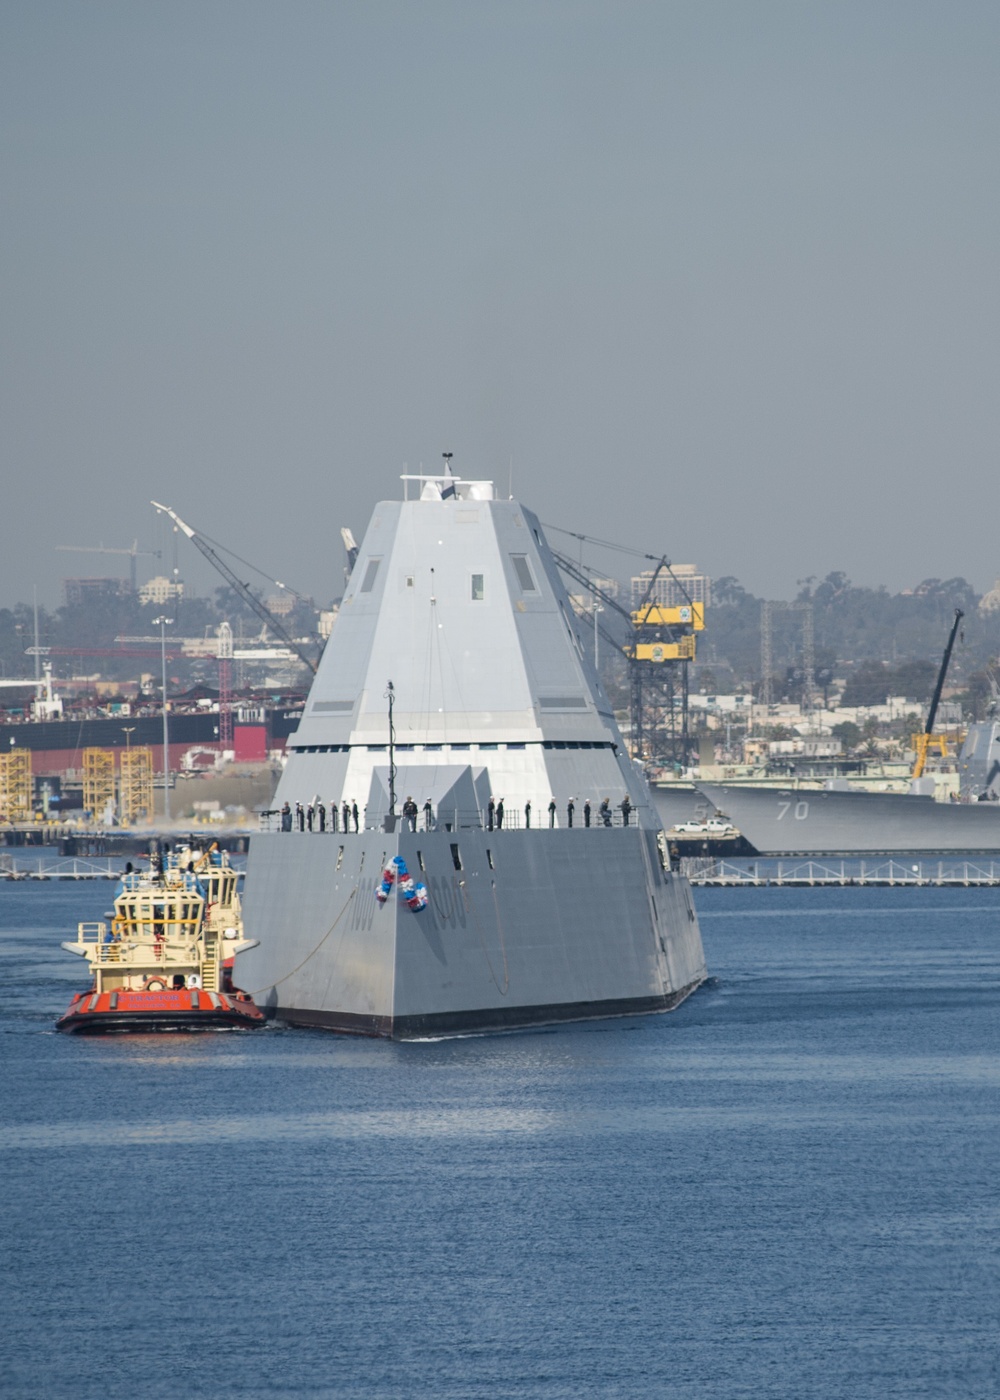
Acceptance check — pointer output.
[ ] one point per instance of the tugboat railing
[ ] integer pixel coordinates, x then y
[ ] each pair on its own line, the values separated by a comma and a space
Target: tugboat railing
145, 954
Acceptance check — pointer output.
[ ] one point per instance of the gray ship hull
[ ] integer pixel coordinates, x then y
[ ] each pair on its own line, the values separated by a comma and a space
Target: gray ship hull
536, 927
791, 822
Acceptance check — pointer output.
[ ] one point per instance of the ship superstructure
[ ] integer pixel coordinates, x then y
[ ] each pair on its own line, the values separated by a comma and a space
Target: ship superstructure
548, 896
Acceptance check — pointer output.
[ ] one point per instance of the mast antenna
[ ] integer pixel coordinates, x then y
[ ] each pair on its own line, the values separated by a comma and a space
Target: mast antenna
390, 695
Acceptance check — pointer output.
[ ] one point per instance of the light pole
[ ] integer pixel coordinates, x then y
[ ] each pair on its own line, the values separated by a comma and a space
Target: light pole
163, 621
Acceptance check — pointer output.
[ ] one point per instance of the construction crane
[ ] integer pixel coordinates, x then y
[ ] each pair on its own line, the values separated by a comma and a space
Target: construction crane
922, 742
133, 552
235, 582
660, 638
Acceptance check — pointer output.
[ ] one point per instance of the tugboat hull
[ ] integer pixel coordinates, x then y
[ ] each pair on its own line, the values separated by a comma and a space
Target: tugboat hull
192, 1009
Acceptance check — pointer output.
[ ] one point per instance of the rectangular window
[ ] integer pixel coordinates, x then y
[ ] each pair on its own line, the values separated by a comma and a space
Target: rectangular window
371, 572
477, 588
523, 570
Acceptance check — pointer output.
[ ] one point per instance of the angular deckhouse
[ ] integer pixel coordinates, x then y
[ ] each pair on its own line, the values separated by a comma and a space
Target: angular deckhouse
456, 601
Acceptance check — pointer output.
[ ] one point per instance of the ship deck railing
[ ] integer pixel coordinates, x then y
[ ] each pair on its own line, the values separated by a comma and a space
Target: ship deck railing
465, 820
49, 867
775, 872
134, 952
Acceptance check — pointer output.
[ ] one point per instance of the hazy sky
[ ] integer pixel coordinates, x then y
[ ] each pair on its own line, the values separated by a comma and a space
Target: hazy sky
720, 278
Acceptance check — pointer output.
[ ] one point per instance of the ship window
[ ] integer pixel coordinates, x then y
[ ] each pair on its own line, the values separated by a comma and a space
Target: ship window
523, 570
368, 583
409, 580
456, 858
477, 588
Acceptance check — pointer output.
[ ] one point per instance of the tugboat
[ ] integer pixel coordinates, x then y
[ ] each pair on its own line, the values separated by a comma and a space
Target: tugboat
164, 963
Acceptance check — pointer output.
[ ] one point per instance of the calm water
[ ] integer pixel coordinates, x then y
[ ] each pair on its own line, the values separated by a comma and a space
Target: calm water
786, 1188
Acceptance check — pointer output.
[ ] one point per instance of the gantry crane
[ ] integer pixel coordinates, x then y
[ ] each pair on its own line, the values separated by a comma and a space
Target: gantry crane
660, 646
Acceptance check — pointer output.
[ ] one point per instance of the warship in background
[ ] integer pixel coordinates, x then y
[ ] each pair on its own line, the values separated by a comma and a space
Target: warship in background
529, 916
836, 821
790, 821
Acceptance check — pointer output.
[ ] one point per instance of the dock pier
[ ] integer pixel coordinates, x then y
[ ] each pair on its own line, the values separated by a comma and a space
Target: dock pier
773, 872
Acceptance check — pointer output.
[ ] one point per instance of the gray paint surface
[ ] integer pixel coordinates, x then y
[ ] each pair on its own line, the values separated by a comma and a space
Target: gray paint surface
779, 821
488, 681
785, 821
546, 919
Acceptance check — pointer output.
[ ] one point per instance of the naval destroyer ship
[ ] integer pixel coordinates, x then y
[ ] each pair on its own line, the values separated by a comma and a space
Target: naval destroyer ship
527, 882
832, 821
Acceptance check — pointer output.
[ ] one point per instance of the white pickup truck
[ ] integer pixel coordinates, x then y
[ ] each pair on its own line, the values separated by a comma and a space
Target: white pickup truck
713, 826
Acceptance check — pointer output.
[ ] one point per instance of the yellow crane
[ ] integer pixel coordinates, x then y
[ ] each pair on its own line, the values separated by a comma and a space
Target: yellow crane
922, 742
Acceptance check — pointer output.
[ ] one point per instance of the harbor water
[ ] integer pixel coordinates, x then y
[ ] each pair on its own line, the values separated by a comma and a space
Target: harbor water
786, 1188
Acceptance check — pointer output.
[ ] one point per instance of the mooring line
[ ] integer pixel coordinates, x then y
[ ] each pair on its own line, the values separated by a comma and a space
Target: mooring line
471, 909
311, 954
